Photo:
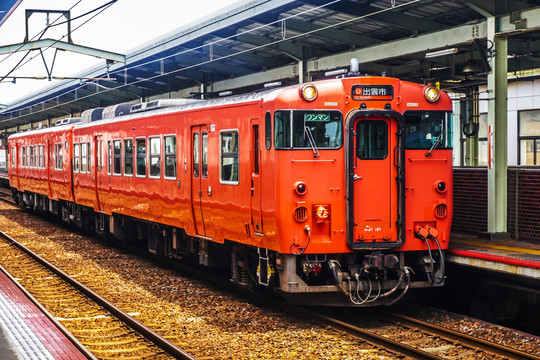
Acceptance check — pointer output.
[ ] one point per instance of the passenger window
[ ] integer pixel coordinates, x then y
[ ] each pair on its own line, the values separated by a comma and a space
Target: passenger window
170, 157
141, 157
155, 157
128, 157
13, 155
84, 158
59, 161
23, 156
229, 157
109, 157
76, 159
205, 154
268, 130
88, 156
196, 155
31, 148
117, 162
371, 139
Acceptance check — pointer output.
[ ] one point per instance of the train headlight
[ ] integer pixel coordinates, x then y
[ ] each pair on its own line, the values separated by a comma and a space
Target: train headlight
308, 92
322, 213
432, 94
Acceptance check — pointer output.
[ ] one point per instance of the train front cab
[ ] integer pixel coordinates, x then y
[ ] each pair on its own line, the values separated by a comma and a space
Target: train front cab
397, 206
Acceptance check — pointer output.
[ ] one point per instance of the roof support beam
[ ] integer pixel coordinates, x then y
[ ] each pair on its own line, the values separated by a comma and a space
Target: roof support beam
61, 45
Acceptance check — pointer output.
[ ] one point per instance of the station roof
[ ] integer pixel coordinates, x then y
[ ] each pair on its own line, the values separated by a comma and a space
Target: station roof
262, 41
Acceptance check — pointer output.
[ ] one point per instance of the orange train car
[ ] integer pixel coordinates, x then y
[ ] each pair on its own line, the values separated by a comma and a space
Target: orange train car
336, 192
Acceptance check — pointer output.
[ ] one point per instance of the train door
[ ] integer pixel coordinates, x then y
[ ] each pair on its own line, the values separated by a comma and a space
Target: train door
256, 198
98, 169
374, 210
201, 191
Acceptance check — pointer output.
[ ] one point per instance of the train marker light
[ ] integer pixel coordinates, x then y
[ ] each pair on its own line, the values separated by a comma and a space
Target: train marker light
308, 92
322, 214
440, 186
432, 94
300, 188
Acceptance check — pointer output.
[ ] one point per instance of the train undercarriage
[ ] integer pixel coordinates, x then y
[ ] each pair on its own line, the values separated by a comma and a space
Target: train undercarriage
362, 278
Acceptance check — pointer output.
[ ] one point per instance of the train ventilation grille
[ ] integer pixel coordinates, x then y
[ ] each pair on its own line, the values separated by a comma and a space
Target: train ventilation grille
441, 211
300, 214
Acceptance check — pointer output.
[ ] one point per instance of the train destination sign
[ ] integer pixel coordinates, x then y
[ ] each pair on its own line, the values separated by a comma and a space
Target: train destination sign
372, 92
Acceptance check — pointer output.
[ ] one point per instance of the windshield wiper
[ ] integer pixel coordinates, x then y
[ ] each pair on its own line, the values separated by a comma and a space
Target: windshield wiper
437, 142
309, 135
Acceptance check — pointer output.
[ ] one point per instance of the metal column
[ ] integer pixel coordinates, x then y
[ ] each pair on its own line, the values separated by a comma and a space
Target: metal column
497, 135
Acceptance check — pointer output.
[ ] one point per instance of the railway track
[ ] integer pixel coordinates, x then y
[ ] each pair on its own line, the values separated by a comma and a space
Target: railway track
106, 331
422, 340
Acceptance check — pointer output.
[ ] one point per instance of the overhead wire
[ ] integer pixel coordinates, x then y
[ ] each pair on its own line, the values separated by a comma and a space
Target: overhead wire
42, 32
214, 59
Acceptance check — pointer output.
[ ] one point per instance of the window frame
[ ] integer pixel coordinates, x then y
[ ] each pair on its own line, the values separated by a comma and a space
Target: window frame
117, 157
229, 155
124, 157
142, 157
151, 156
170, 155
76, 157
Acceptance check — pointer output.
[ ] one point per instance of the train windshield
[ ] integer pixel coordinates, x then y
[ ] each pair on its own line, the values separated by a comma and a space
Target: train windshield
300, 129
428, 130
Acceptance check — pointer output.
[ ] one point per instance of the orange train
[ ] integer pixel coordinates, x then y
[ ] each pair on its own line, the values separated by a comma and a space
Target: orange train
336, 192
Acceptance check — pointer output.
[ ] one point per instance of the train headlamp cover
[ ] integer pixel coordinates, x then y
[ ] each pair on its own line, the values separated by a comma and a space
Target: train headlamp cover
432, 94
308, 92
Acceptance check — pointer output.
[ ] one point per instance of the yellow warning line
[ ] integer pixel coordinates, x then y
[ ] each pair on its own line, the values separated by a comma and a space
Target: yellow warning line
499, 247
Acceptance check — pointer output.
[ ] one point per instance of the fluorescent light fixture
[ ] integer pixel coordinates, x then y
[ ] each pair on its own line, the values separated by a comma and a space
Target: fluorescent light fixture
335, 72
225, 93
272, 84
442, 52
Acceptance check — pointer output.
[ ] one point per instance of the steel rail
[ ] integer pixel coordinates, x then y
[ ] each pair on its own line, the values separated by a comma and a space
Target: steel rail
146, 332
471, 341
379, 340
59, 326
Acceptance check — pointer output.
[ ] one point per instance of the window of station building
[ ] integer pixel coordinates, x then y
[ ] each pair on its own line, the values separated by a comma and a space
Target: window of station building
128, 157
308, 129
169, 143
85, 157
470, 154
76, 158
529, 137
371, 139
268, 130
141, 157
155, 157
229, 172
117, 161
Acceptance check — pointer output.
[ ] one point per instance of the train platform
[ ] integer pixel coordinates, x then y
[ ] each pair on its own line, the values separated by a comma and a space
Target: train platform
506, 256
25, 330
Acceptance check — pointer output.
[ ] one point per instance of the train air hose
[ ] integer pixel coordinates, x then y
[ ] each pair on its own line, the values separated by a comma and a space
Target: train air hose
404, 275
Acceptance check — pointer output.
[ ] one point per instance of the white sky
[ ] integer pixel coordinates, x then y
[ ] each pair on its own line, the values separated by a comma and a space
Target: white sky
123, 26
